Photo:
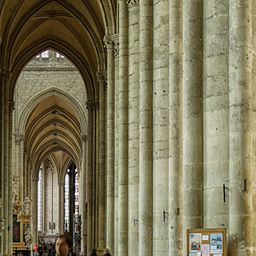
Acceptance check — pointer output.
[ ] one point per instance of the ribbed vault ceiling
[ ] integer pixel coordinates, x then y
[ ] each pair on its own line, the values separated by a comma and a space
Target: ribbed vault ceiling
74, 28
53, 126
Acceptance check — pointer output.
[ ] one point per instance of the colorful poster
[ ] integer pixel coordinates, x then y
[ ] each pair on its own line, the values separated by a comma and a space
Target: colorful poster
194, 242
205, 250
216, 243
205, 237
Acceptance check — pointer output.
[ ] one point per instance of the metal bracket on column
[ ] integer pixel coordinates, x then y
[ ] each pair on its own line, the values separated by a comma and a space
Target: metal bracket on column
135, 222
244, 185
224, 192
165, 215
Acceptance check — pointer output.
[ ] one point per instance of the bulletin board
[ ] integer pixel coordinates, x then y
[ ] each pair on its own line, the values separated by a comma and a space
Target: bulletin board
207, 242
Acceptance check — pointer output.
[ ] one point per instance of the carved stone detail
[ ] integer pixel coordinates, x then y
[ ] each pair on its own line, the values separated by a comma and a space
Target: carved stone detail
115, 38
132, 3
19, 138
84, 137
92, 105
11, 105
108, 42
101, 76
6, 75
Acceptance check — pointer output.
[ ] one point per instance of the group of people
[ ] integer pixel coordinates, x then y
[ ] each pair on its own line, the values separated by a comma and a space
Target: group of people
63, 246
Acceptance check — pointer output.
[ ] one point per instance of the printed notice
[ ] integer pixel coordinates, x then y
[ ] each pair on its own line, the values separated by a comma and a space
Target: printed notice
205, 237
216, 244
205, 250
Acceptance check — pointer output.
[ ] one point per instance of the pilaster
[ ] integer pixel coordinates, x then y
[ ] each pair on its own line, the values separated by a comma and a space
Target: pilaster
160, 125
216, 113
175, 210
110, 147
133, 128
115, 38
34, 189
6, 170
123, 131
102, 81
92, 106
145, 127
241, 128
84, 139
192, 115
61, 185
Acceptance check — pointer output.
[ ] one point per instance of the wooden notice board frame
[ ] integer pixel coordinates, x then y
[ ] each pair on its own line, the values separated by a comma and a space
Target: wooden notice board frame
207, 242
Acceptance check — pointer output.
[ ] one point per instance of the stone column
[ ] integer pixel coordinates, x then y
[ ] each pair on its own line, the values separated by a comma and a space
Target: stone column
216, 101
84, 196
90, 175
44, 198
175, 126
145, 127
123, 130
6, 170
25, 171
160, 126
133, 129
110, 148
101, 79
10, 172
192, 115
116, 153
20, 152
34, 183
2, 226
241, 214
61, 206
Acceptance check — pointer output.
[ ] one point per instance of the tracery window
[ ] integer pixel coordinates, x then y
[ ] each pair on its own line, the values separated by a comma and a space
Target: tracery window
66, 202
71, 199
40, 201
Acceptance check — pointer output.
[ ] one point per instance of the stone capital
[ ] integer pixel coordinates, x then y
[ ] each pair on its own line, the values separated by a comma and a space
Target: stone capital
108, 42
115, 38
6, 75
92, 105
84, 137
11, 105
19, 138
35, 179
132, 3
101, 77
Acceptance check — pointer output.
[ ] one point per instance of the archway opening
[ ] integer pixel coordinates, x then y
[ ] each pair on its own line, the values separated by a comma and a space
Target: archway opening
49, 120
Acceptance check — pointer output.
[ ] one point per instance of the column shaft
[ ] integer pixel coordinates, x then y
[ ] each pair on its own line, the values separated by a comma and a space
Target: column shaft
175, 126
115, 249
101, 77
61, 207
6, 162
84, 197
192, 115
34, 214
241, 215
160, 126
89, 180
216, 133
145, 128
123, 130
110, 144
1, 167
133, 144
